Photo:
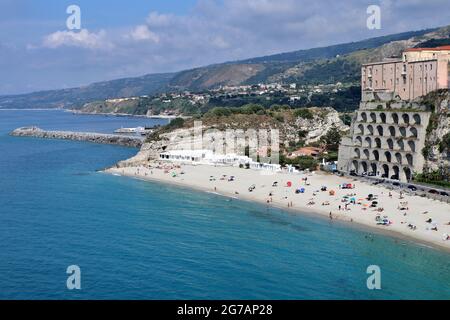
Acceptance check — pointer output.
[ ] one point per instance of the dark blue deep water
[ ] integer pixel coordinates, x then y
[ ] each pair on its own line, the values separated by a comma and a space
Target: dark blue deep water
140, 240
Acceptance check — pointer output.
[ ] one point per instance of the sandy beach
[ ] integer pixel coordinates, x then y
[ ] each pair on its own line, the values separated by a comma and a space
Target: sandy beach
418, 218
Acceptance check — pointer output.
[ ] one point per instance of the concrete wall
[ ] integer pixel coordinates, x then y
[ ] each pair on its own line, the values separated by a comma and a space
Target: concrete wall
385, 142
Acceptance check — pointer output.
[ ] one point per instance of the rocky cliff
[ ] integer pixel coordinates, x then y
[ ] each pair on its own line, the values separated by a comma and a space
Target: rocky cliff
309, 126
437, 149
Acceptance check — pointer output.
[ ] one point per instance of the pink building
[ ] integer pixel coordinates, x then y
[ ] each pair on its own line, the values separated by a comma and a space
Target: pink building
418, 72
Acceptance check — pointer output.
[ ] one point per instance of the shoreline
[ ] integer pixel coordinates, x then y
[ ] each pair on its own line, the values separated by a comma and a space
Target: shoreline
112, 114
426, 238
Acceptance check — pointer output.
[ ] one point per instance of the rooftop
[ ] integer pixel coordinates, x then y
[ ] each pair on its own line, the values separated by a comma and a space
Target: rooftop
441, 48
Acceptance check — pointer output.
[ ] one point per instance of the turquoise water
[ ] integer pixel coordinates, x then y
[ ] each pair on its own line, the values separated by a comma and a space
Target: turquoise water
140, 240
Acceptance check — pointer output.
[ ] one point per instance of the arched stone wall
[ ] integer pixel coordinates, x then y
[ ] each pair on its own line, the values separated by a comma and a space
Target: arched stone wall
388, 156
376, 155
361, 129
363, 117
412, 146
409, 159
395, 118
392, 131
380, 130
405, 118
377, 143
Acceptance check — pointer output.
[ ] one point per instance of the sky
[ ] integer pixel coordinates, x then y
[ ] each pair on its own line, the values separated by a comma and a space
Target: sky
121, 38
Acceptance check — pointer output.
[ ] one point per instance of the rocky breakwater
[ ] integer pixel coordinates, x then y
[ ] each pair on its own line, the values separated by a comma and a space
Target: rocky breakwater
103, 138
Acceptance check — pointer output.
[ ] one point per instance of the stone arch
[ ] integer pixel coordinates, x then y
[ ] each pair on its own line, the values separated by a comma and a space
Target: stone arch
417, 119
396, 175
388, 156
385, 169
409, 159
383, 117
357, 153
377, 142
392, 131
366, 154
359, 141
368, 142
373, 117
401, 144
413, 131
355, 166
405, 118
398, 157
373, 167
390, 143
364, 117
408, 173
376, 155
412, 145
361, 129
380, 130
370, 129
394, 118
402, 131
364, 166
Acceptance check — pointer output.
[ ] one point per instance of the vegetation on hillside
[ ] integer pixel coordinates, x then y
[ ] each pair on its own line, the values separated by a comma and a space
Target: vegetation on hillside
319, 65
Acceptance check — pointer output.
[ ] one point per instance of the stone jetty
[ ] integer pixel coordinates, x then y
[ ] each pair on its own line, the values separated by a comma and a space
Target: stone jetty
122, 140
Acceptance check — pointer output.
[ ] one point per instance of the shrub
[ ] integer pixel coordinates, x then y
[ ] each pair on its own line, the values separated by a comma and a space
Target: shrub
303, 113
444, 144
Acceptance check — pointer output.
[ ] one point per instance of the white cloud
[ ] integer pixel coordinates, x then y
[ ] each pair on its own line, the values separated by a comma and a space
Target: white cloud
143, 33
82, 39
212, 31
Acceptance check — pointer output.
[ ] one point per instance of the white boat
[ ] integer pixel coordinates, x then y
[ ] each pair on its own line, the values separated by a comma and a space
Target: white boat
130, 130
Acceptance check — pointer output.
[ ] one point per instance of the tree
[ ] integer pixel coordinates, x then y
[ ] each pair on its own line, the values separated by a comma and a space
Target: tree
303, 113
331, 139
444, 145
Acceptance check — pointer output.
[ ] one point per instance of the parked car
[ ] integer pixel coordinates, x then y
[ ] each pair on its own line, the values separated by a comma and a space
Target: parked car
353, 173
443, 193
396, 184
384, 176
372, 174
395, 177
412, 188
432, 191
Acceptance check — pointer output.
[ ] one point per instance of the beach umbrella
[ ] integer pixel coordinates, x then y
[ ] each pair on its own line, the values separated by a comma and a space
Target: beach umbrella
289, 184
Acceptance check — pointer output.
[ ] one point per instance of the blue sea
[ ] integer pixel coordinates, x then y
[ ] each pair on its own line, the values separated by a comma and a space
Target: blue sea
139, 240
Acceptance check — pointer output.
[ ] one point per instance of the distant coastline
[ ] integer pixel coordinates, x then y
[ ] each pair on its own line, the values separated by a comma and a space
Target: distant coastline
114, 114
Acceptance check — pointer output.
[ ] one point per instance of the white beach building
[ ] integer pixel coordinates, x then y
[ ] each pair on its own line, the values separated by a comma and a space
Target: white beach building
208, 157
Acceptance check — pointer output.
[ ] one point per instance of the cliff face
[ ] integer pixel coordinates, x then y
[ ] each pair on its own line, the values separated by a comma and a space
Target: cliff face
436, 151
323, 120
310, 127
